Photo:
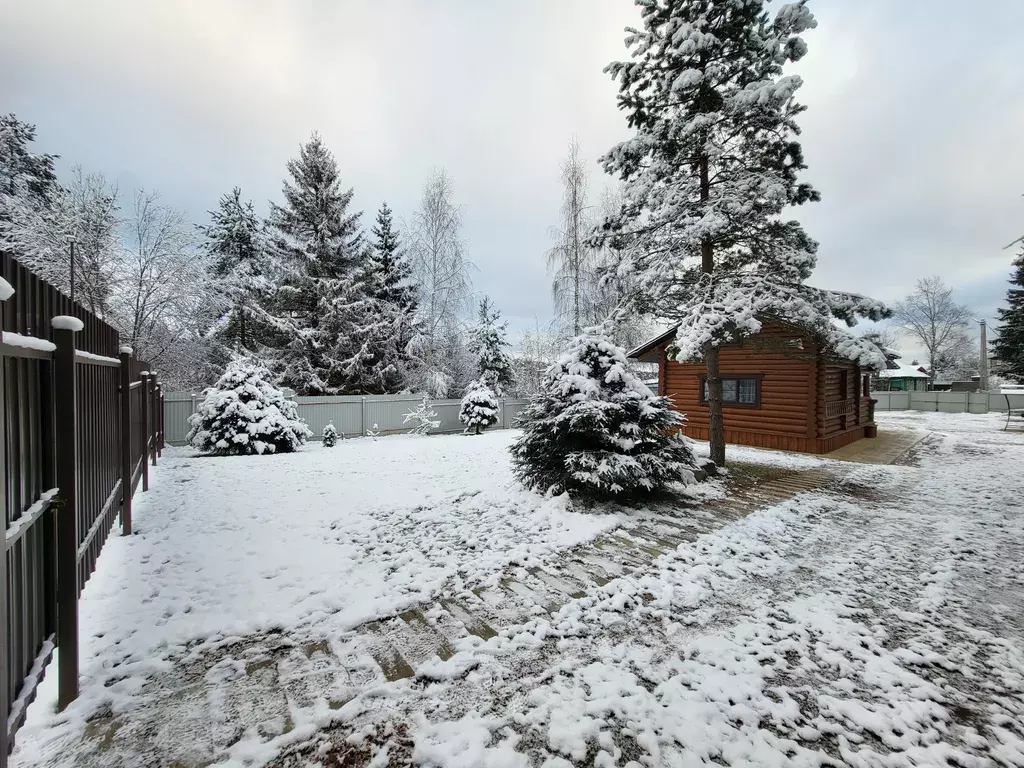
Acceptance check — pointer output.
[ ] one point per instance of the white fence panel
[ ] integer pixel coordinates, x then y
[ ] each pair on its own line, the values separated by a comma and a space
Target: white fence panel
352, 415
948, 402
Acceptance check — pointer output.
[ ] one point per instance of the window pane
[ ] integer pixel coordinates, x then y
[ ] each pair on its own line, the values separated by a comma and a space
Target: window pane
748, 391
729, 390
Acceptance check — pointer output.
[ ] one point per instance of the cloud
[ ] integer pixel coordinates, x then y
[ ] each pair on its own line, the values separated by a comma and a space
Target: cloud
912, 132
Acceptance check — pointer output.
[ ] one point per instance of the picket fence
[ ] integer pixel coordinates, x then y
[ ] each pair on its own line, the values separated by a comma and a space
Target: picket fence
352, 415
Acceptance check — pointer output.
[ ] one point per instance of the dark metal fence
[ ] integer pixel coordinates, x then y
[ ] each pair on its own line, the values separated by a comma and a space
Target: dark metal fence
81, 421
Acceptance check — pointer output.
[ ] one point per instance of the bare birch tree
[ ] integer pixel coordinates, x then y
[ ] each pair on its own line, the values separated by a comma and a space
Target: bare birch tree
161, 305
441, 273
932, 317
571, 260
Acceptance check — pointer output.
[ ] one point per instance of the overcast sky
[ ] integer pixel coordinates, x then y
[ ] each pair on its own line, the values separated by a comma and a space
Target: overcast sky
913, 132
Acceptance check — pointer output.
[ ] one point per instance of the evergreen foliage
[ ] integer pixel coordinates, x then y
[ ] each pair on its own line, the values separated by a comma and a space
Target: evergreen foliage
322, 308
487, 343
391, 270
707, 177
479, 408
243, 413
596, 430
1008, 346
423, 417
240, 266
330, 435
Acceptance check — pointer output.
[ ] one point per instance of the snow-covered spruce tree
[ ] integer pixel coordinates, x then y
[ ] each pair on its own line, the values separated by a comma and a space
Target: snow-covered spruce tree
712, 166
479, 408
596, 430
241, 270
391, 268
487, 342
423, 417
322, 306
329, 435
243, 413
1008, 347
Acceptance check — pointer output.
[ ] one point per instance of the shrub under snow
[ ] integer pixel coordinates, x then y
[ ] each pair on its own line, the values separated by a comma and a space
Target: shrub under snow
330, 435
244, 413
479, 407
596, 430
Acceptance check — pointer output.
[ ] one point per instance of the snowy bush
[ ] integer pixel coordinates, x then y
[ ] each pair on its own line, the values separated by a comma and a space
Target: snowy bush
330, 435
244, 413
596, 430
423, 417
479, 407
373, 431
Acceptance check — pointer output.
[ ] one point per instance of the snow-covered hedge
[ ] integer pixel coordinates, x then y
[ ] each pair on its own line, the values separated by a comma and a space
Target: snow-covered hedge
596, 430
244, 413
479, 408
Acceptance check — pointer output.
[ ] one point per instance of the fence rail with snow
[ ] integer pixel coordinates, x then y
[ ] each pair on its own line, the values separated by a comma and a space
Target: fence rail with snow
949, 402
351, 414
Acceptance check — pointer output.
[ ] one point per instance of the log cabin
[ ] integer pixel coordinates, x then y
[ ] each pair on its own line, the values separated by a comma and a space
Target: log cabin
781, 390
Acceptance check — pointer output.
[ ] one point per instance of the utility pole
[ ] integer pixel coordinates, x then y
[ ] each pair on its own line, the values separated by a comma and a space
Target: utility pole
983, 362
71, 240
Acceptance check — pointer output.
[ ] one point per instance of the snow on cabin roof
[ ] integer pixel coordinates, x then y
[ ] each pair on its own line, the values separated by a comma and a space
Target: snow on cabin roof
903, 372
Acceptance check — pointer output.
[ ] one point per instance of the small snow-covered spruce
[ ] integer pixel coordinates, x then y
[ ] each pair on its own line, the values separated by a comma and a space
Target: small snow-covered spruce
596, 430
373, 431
423, 417
330, 435
243, 413
479, 408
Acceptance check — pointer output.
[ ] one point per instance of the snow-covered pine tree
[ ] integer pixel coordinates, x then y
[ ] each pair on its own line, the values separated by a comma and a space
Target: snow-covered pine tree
479, 408
243, 413
241, 268
24, 173
597, 430
1008, 346
488, 339
391, 269
708, 174
423, 417
329, 435
323, 304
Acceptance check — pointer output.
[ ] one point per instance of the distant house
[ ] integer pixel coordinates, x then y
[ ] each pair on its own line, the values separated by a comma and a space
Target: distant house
903, 378
781, 389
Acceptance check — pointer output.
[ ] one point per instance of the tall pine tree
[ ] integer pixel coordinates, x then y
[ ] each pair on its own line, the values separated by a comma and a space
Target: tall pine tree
708, 174
392, 271
1008, 347
487, 343
239, 264
322, 303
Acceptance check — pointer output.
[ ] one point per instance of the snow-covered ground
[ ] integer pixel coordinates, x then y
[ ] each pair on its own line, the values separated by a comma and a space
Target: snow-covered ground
313, 542
878, 622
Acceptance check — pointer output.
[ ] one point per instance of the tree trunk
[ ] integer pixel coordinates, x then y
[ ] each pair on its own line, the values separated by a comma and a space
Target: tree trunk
716, 422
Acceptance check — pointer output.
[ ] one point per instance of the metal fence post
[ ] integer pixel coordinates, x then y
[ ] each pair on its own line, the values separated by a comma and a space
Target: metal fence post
362, 417
5, 704
65, 428
160, 415
154, 420
144, 427
126, 440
